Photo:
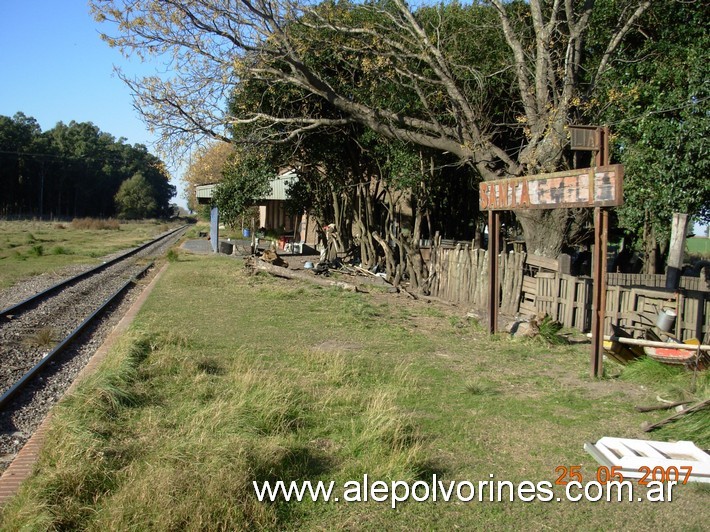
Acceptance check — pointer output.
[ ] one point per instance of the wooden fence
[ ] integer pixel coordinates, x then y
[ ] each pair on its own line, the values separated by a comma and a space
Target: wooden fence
566, 298
530, 285
636, 309
655, 281
460, 275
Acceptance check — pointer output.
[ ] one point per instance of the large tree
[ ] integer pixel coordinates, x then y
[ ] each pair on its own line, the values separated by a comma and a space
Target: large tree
213, 45
660, 109
22, 169
245, 180
135, 199
206, 167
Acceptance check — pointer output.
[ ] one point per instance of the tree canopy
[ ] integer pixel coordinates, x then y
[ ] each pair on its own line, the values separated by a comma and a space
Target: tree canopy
206, 167
135, 199
216, 45
492, 84
659, 108
245, 180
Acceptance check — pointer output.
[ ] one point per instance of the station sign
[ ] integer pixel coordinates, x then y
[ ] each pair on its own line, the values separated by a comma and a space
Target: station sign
586, 187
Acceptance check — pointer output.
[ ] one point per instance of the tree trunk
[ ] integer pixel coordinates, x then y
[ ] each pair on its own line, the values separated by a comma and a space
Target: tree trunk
343, 231
415, 264
390, 262
650, 248
363, 224
544, 230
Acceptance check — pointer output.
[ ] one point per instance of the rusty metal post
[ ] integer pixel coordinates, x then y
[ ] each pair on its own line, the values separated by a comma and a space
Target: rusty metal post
601, 228
599, 152
601, 234
493, 277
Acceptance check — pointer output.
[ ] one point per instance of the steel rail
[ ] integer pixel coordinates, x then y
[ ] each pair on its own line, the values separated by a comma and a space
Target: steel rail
88, 273
20, 383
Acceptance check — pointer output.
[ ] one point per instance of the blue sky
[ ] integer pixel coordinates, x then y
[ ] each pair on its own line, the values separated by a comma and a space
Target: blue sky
55, 67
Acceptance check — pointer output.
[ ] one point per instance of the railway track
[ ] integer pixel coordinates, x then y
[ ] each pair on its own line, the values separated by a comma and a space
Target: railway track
45, 338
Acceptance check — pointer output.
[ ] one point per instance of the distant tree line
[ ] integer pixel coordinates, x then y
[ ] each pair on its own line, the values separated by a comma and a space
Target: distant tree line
76, 170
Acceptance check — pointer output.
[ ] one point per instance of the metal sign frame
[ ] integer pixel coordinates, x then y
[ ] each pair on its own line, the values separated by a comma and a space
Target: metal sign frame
508, 197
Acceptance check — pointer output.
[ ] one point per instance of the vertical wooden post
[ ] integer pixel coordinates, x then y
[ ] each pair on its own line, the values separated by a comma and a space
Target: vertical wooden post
700, 317
493, 277
604, 155
675, 253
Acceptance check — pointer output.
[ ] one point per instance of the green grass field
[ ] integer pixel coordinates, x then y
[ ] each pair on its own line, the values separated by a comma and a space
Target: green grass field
226, 378
29, 248
698, 246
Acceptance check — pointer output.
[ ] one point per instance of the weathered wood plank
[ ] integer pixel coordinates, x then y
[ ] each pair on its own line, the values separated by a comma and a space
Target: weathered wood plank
542, 262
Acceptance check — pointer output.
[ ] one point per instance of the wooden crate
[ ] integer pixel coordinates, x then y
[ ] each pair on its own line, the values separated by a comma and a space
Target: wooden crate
636, 309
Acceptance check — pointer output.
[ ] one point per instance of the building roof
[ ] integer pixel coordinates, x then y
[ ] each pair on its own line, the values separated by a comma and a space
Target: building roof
280, 184
279, 188
204, 192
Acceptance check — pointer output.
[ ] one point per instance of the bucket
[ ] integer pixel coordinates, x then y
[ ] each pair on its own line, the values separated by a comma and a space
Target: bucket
666, 319
246, 233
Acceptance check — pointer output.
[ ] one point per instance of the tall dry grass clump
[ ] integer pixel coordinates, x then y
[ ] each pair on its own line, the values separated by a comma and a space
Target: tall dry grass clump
170, 440
95, 224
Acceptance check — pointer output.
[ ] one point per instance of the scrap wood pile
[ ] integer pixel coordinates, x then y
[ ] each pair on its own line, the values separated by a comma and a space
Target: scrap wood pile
269, 261
279, 268
681, 410
272, 257
623, 348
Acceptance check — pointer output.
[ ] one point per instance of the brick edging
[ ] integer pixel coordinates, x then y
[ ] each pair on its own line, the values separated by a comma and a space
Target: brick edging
23, 463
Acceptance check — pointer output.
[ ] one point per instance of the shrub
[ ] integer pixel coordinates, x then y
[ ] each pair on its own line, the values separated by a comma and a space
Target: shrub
37, 250
549, 329
173, 255
60, 250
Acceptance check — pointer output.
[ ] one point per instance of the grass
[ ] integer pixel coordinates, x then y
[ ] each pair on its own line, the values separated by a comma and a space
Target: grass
673, 382
95, 224
173, 255
699, 246
29, 248
233, 379
676, 384
43, 337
